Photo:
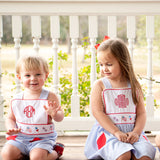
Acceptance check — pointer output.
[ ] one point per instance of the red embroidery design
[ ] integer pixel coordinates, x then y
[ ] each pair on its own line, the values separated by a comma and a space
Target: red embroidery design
29, 111
101, 141
121, 101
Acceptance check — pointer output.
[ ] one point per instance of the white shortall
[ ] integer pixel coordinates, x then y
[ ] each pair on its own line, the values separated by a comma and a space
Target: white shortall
119, 106
31, 117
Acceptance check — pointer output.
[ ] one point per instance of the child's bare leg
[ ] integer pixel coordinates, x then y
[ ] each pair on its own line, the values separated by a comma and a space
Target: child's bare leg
142, 158
42, 154
125, 156
10, 152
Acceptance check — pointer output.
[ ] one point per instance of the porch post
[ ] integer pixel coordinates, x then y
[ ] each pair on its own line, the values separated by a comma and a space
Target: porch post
149, 96
17, 34
1, 97
131, 33
55, 35
36, 32
112, 26
74, 34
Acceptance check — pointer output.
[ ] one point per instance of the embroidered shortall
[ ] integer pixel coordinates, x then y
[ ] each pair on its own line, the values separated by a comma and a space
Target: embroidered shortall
31, 117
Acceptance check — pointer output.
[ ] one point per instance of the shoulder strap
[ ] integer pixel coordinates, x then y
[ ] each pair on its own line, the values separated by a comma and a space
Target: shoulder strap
106, 82
44, 94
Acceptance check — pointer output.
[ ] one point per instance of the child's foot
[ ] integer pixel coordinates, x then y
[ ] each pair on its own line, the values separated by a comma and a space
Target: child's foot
59, 147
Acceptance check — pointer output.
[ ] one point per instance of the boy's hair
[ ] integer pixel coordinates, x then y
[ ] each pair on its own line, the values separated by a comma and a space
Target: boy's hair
32, 63
120, 51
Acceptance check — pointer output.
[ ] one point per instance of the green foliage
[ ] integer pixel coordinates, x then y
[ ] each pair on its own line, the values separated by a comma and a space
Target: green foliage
65, 88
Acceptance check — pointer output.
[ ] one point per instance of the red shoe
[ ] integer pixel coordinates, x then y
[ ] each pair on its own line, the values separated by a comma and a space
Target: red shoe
59, 147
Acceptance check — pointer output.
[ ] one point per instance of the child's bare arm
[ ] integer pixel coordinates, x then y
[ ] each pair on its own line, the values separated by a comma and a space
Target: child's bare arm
54, 109
10, 124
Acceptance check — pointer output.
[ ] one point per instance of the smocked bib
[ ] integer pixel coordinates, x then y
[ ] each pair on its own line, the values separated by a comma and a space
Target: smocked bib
31, 116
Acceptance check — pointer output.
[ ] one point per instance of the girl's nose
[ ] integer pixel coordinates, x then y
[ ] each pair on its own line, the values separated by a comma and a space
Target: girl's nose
105, 68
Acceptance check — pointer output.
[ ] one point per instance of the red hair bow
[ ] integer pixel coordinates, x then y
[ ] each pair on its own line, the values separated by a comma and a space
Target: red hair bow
104, 39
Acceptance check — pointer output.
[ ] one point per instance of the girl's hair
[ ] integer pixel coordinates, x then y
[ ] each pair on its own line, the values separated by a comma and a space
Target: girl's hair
120, 51
32, 63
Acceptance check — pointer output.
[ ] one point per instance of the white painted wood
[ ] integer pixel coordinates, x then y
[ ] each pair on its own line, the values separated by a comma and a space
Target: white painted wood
16, 26
91, 8
17, 51
1, 26
74, 34
17, 34
74, 26
149, 96
36, 26
112, 26
131, 33
1, 96
55, 34
93, 26
79, 7
150, 27
75, 99
36, 32
55, 26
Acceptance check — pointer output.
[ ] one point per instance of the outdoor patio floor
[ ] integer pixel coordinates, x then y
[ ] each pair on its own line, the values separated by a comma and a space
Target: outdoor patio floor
74, 146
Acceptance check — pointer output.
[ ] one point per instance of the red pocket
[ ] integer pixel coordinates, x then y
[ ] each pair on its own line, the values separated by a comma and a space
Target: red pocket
101, 141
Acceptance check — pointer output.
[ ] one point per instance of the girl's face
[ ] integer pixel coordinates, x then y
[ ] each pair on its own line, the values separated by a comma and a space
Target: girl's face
109, 66
32, 79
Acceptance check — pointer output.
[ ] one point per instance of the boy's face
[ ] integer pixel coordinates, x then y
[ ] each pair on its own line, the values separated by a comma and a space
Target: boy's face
32, 79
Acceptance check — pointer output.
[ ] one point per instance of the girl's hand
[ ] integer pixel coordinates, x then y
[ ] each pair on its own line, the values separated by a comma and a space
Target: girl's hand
121, 136
13, 131
132, 137
52, 108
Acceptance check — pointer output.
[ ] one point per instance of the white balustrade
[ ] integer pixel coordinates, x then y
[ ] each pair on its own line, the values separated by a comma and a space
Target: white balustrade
112, 26
74, 9
74, 34
17, 34
149, 96
36, 32
55, 35
131, 33
1, 97
93, 34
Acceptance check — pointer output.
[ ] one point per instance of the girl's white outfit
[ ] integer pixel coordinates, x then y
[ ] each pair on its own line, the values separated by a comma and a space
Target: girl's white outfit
119, 107
31, 117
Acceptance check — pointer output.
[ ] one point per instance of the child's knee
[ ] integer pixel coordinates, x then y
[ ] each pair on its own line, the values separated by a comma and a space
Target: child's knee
10, 152
125, 156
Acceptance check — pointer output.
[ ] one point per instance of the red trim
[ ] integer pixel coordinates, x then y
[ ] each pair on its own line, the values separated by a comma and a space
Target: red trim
38, 133
33, 124
11, 137
116, 89
122, 113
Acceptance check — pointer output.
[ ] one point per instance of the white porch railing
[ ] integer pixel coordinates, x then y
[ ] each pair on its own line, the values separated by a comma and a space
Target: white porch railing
73, 9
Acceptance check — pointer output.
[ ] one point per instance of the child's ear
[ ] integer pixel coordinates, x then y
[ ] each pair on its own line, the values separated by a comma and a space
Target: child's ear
47, 75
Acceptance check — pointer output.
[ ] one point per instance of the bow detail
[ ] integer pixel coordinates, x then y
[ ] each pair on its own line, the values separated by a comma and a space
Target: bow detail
104, 39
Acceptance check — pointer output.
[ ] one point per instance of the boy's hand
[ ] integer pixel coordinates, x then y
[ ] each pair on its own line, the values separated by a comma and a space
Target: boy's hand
52, 108
13, 131
121, 136
132, 137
